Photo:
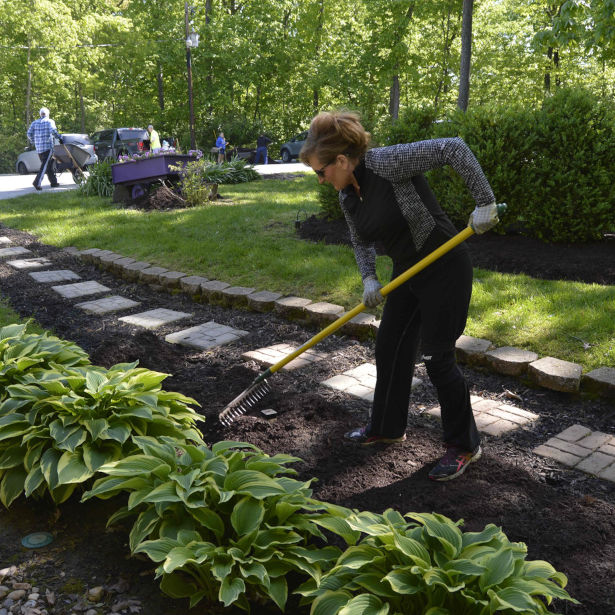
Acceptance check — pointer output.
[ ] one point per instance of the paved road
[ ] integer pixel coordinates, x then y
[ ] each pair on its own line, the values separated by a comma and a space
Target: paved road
20, 185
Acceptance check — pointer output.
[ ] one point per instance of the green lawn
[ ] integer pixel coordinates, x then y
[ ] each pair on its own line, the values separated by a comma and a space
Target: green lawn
250, 240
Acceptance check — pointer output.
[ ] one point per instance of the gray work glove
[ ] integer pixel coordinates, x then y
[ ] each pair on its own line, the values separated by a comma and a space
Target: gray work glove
371, 292
484, 218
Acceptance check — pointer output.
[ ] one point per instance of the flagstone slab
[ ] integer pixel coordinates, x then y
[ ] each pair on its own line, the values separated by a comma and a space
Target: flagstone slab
171, 279
236, 296
14, 251
600, 380
152, 319
471, 350
359, 382
494, 417
80, 289
207, 335
292, 308
59, 275
5, 241
578, 447
555, 374
509, 360
272, 354
262, 301
107, 304
192, 284
30, 263
131, 271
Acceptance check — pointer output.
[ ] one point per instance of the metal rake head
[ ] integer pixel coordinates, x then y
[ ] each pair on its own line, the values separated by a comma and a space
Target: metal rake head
243, 402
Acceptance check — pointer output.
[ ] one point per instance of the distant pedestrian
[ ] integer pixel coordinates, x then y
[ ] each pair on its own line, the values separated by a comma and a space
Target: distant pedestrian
221, 144
41, 133
261, 149
154, 140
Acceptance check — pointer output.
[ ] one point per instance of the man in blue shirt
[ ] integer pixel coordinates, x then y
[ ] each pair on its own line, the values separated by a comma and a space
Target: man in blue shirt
41, 133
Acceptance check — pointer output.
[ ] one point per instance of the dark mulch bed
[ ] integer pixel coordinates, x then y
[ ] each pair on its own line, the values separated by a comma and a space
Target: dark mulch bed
565, 517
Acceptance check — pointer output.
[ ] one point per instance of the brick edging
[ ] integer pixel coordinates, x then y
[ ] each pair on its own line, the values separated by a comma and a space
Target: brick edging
546, 372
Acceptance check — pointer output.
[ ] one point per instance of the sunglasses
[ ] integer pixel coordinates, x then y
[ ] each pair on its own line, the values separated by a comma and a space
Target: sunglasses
321, 172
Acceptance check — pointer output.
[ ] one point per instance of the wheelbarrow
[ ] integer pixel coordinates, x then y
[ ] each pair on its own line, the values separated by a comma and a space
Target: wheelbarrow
72, 157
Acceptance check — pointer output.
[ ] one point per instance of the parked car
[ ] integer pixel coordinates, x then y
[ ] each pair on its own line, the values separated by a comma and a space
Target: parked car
291, 149
110, 144
29, 162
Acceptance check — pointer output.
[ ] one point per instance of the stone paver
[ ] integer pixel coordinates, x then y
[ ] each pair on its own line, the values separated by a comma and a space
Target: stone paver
578, 447
359, 381
15, 251
556, 374
192, 284
151, 275
205, 336
323, 312
59, 275
236, 296
600, 380
80, 289
292, 308
262, 301
133, 270
212, 290
30, 263
495, 417
5, 241
361, 326
171, 279
106, 305
509, 360
272, 354
152, 319
472, 350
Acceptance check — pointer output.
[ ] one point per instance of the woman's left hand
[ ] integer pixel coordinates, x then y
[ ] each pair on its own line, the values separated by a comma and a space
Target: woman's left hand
484, 218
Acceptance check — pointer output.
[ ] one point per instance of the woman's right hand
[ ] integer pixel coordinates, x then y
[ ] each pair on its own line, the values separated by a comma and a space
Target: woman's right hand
371, 292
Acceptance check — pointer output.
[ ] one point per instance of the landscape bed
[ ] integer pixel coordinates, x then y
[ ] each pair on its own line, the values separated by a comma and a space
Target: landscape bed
565, 517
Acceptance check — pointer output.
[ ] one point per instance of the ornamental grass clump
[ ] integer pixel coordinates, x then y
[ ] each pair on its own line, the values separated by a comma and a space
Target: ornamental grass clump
429, 566
226, 523
59, 426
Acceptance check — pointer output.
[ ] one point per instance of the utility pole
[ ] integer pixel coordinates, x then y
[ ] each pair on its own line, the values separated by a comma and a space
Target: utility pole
189, 65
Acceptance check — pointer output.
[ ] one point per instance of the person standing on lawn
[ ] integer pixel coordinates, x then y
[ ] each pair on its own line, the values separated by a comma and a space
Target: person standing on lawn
40, 134
154, 140
221, 144
262, 142
386, 198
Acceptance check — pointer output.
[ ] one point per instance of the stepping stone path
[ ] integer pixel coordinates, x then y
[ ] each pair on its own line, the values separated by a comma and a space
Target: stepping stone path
106, 305
577, 447
152, 319
359, 382
272, 354
206, 336
61, 275
80, 289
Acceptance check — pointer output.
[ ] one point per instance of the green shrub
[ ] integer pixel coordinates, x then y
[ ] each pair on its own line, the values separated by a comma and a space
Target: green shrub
552, 166
13, 144
428, 565
99, 181
226, 523
329, 200
198, 177
58, 426
22, 352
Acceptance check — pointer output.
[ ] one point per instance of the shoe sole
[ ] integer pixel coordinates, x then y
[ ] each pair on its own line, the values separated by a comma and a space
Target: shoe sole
385, 441
474, 458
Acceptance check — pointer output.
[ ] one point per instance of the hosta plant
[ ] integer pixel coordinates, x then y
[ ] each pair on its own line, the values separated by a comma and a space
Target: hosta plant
57, 427
429, 566
226, 524
22, 352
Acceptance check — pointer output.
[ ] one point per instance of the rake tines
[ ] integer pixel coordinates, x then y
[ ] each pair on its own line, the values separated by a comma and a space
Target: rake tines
243, 402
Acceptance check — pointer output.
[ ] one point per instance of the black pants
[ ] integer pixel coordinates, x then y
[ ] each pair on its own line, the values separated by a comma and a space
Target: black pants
429, 310
50, 171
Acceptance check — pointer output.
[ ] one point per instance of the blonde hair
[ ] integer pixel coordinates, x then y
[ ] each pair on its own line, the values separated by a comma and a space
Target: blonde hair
334, 133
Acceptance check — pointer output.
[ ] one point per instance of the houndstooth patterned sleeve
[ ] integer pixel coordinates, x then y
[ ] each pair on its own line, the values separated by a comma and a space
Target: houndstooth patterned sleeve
364, 253
398, 163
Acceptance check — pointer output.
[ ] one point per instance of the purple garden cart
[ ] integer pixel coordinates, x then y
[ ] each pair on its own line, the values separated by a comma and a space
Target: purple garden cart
136, 175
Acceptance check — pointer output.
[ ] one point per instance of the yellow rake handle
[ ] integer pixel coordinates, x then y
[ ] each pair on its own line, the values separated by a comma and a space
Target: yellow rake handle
384, 291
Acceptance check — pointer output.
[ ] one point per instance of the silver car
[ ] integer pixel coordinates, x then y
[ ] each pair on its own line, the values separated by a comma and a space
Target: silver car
29, 162
291, 149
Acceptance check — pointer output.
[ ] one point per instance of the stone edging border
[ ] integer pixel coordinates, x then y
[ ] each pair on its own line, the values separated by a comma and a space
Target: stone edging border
547, 372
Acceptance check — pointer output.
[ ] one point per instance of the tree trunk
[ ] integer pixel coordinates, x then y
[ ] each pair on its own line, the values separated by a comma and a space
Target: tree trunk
81, 108
160, 87
548, 73
394, 98
466, 55
28, 89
